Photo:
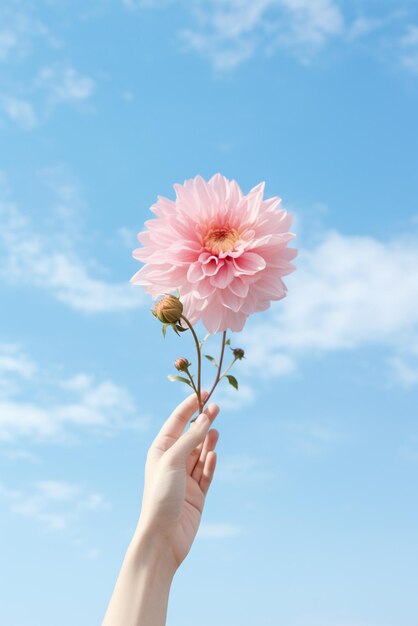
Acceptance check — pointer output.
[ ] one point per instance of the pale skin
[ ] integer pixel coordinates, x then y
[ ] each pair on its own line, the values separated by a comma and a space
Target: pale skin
178, 473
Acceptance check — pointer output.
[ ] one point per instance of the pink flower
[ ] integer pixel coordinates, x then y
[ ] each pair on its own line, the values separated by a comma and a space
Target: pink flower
225, 252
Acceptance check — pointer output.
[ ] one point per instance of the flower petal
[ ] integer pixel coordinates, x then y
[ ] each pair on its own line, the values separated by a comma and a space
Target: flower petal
204, 288
249, 263
239, 287
195, 272
212, 266
224, 276
230, 300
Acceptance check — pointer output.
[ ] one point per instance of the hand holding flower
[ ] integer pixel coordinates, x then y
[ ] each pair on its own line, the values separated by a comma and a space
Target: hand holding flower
178, 473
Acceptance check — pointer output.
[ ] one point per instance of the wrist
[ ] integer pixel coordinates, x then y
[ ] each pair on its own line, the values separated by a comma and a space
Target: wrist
151, 551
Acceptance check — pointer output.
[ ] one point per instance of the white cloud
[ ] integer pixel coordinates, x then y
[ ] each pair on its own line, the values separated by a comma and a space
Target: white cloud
242, 468
409, 49
312, 436
230, 31
17, 454
56, 491
14, 366
32, 96
19, 111
326, 621
49, 261
410, 38
363, 26
144, 4
219, 530
18, 30
93, 553
8, 42
53, 86
65, 84
54, 505
404, 371
348, 292
311, 24
127, 237
47, 408
229, 398
13, 361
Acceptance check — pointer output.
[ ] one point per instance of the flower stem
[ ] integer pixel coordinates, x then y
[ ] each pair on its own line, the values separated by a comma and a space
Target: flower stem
218, 374
191, 380
228, 368
199, 363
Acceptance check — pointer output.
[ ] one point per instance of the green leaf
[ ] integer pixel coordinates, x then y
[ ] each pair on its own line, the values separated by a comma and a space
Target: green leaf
164, 329
211, 359
205, 338
179, 379
228, 342
181, 329
232, 381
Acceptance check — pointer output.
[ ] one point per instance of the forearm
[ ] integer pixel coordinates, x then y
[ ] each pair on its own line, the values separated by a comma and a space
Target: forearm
140, 596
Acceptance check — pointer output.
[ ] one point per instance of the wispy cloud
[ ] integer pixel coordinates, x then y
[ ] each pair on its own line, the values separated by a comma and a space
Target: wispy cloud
405, 370
230, 31
54, 505
219, 530
63, 83
19, 111
312, 436
29, 93
230, 398
409, 48
320, 620
349, 292
19, 29
49, 261
13, 361
49, 408
244, 469
53, 86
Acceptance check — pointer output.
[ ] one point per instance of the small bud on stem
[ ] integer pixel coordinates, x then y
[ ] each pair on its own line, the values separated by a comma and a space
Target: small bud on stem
182, 364
168, 310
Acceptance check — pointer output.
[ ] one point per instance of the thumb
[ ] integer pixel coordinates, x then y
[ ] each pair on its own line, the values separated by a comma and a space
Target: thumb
188, 442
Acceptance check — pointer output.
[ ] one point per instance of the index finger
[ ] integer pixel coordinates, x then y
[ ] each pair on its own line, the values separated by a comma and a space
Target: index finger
177, 421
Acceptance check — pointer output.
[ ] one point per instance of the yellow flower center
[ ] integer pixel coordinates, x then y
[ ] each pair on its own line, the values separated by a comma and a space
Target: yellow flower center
220, 239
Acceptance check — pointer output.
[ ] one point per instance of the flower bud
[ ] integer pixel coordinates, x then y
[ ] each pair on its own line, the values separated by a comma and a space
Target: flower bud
168, 310
238, 353
181, 364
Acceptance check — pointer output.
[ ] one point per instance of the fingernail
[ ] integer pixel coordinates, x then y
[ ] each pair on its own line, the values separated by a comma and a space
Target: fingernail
204, 395
202, 418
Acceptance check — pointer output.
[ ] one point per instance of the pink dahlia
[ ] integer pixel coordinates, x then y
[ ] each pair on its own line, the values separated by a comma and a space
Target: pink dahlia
225, 252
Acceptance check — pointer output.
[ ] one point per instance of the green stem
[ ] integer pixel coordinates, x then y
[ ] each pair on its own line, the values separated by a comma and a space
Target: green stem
228, 368
199, 363
218, 374
205, 338
191, 380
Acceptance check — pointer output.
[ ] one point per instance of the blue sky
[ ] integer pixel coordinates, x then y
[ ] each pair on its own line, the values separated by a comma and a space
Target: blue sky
312, 518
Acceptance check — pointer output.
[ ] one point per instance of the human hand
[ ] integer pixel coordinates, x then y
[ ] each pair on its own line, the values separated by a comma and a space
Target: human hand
178, 472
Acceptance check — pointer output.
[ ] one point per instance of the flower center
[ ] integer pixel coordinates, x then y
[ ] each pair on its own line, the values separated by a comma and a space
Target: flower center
220, 239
